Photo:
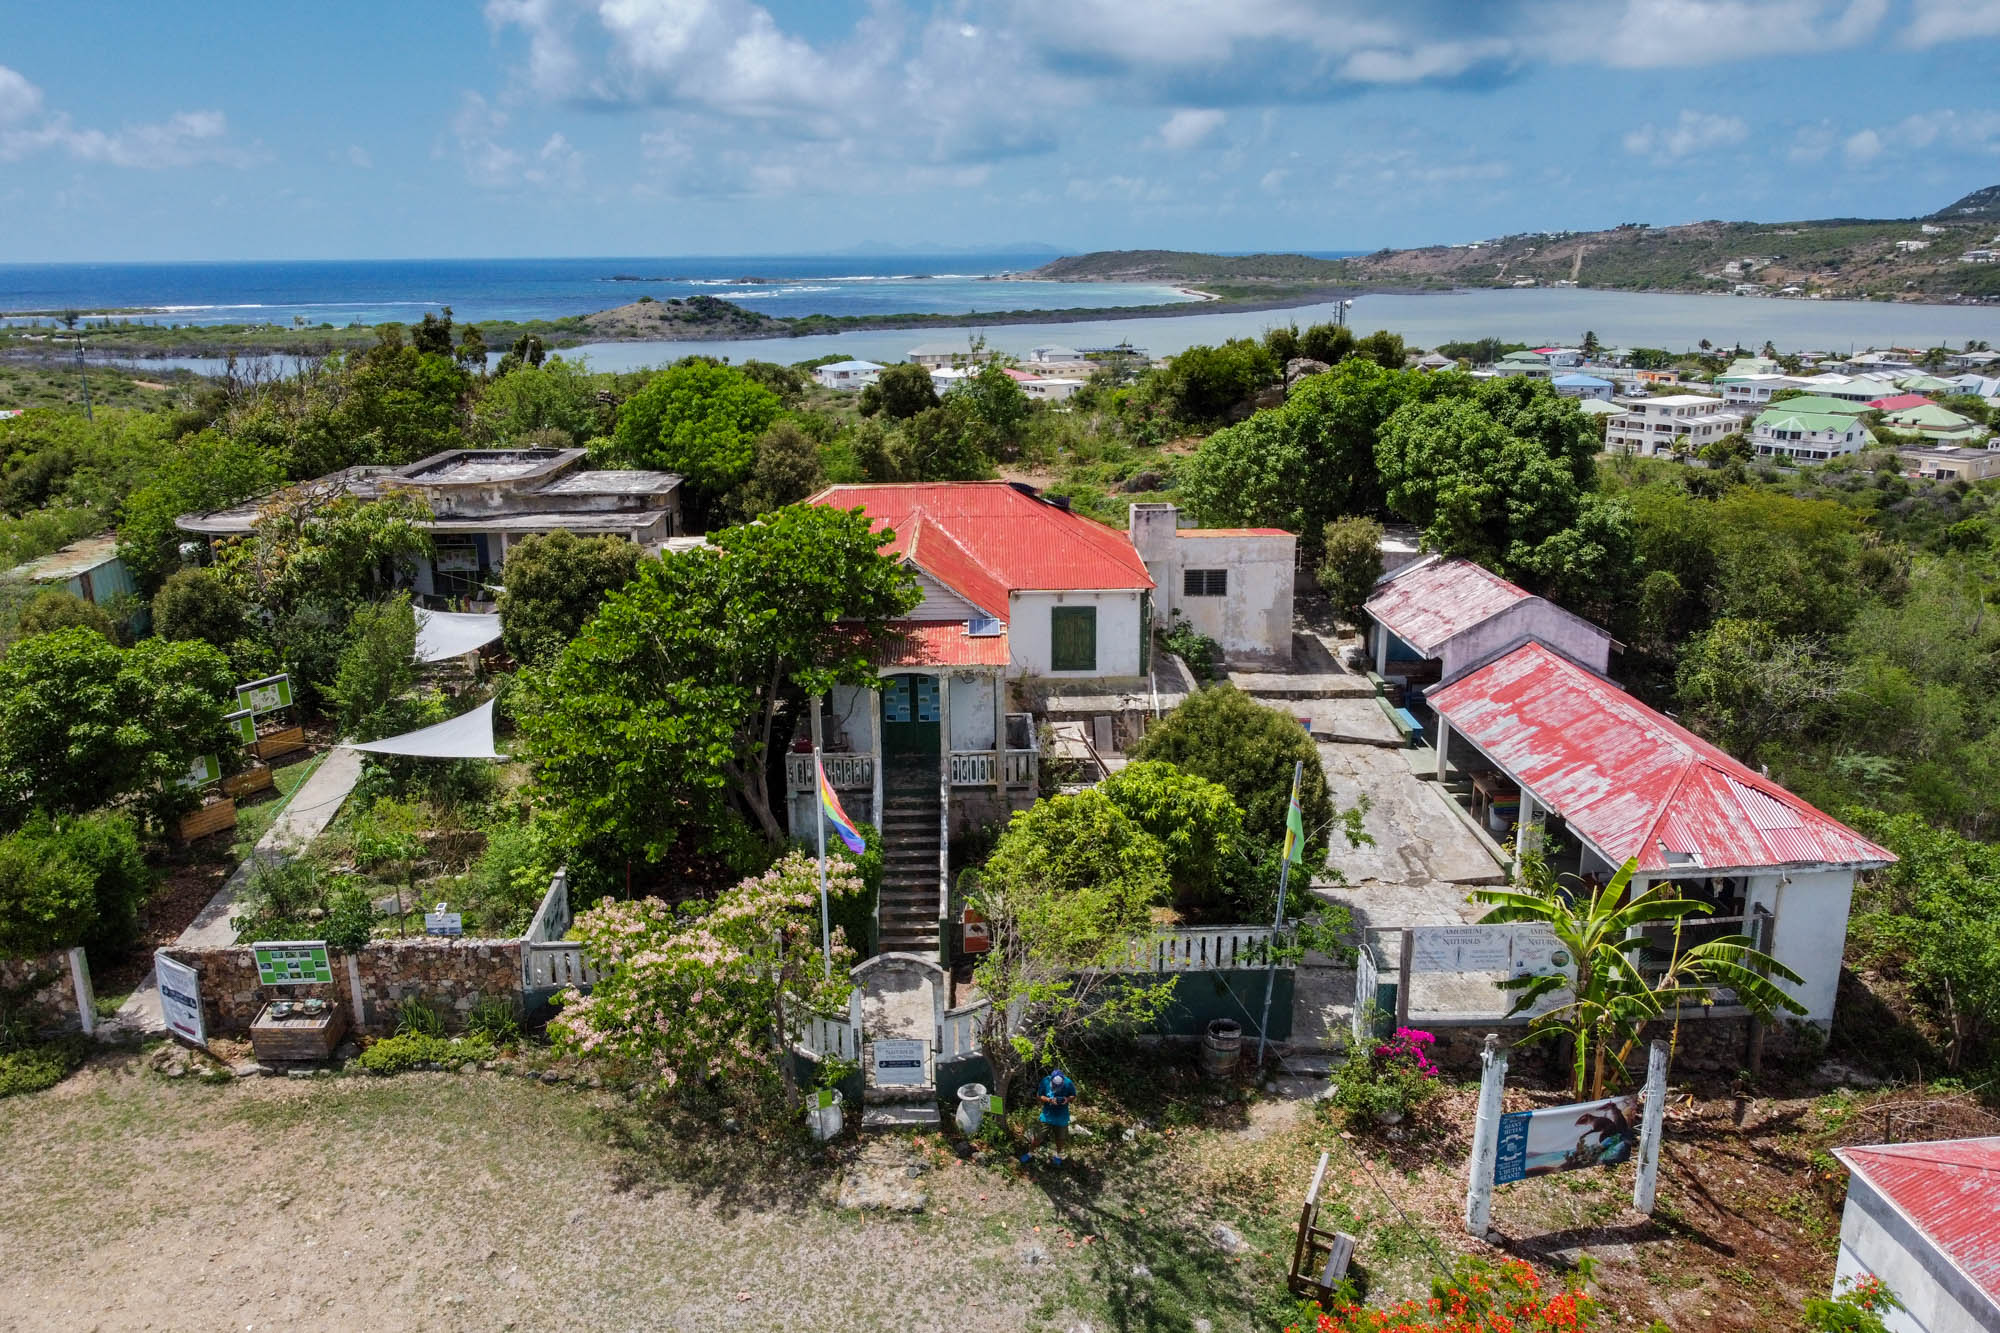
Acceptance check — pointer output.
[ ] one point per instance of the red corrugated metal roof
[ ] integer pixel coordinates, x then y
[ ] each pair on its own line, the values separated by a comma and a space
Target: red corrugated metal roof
1633, 782
1426, 603
1950, 1191
1897, 402
940, 643
984, 539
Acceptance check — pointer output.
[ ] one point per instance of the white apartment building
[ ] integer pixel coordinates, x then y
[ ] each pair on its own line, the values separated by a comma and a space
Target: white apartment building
1811, 437
1752, 391
1656, 425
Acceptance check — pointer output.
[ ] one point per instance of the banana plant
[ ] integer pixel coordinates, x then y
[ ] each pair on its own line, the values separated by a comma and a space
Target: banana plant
1606, 1008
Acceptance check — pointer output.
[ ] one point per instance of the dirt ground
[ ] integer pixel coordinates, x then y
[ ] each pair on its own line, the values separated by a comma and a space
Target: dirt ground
491, 1201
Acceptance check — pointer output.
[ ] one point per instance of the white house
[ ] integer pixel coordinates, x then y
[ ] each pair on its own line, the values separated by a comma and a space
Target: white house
1786, 432
1626, 783
1016, 589
1656, 425
847, 374
1971, 361
1924, 1218
946, 354
1232, 584
1576, 385
1751, 391
1912, 246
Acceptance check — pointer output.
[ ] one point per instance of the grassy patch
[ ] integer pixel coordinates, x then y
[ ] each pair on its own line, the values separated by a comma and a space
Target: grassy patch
40, 1065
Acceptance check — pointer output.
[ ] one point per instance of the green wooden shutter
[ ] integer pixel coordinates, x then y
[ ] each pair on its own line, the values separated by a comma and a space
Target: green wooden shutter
1145, 632
1073, 638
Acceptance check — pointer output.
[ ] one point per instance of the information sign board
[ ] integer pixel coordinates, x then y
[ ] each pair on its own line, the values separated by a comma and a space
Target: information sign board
442, 922
1567, 1138
899, 1062
292, 962
1461, 949
180, 999
261, 696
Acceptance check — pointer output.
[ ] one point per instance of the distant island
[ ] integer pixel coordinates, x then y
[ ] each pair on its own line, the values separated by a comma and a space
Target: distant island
1914, 259
1951, 256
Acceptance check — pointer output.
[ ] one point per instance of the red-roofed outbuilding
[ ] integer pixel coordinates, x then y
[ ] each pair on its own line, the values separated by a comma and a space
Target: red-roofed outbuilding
1924, 1218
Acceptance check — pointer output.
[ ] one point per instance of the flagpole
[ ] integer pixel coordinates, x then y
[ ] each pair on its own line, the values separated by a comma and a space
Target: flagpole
1278, 922
819, 826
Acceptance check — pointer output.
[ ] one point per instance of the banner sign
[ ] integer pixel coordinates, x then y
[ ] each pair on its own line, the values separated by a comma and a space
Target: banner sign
202, 772
261, 696
442, 922
1567, 1138
243, 724
899, 1061
292, 963
180, 999
1523, 950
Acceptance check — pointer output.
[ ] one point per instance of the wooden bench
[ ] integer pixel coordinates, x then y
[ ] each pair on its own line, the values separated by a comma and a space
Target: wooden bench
1312, 1277
1407, 726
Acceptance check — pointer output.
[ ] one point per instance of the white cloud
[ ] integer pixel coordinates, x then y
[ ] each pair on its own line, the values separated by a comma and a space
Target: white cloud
1862, 147
1934, 22
1811, 143
357, 156
185, 138
1438, 60
1695, 132
1190, 128
1653, 34
1273, 181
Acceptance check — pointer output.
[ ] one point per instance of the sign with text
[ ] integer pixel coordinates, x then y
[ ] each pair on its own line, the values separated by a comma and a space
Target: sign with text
1538, 953
243, 725
1567, 1138
202, 772
1461, 948
899, 1062
262, 696
180, 999
442, 922
292, 963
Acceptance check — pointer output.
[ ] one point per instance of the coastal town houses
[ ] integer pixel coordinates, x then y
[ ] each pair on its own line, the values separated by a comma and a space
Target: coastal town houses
1019, 595
1671, 423
482, 500
847, 374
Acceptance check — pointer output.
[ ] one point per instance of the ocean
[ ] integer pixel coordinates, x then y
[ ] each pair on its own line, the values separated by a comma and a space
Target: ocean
342, 292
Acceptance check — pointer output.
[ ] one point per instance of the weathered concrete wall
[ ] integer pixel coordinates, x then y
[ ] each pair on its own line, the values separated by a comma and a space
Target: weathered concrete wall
54, 994
1537, 619
1118, 633
1253, 621
452, 974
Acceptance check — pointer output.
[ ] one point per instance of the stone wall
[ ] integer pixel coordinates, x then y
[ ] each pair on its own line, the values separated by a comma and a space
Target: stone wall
453, 974
54, 995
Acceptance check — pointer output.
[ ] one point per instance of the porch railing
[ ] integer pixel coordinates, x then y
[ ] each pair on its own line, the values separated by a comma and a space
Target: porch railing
1204, 949
958, 1030
835, 1037
975, 768
843, 770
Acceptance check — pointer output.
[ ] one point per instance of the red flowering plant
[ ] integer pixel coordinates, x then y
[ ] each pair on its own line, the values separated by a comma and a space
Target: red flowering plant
1861, 1308
1390, 1079
1480, 1298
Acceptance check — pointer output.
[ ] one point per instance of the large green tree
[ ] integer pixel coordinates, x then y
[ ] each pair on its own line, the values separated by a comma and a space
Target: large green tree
205, 471
558, 395
553, 585
698, 419
900, 392
658, 721
84, 723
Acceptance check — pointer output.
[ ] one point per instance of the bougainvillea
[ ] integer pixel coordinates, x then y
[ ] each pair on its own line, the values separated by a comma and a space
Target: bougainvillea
695, 995
1480, 1298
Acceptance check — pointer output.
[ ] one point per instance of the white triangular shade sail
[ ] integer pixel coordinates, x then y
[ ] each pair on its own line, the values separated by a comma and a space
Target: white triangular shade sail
443, 634
466, 737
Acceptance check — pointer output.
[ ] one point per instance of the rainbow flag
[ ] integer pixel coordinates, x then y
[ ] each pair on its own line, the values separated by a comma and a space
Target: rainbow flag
829, 805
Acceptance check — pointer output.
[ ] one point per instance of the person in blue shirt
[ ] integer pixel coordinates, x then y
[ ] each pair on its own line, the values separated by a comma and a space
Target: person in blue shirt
1057, 1090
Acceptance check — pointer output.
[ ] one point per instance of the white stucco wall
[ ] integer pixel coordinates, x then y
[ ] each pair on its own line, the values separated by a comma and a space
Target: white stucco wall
971, 713
1117, 632
1538, 619
851, 708
1876, 1240
1253, 623
1810, 932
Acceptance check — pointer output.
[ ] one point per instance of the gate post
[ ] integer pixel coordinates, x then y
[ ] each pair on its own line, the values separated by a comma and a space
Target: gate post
1651, 1122
1485, 1137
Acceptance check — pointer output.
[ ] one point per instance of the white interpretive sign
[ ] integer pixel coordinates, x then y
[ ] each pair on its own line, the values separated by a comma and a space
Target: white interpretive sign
899, 1062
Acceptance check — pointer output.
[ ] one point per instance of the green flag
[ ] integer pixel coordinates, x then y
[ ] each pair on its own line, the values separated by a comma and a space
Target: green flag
1295, 825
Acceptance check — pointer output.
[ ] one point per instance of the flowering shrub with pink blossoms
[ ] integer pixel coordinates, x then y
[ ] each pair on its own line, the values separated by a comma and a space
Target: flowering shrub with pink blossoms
690, 998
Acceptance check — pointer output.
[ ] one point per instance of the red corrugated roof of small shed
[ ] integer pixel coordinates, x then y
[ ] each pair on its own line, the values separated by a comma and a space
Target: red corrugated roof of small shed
1636, 783
1426, 603
940, 643
1950, 1191
985, 539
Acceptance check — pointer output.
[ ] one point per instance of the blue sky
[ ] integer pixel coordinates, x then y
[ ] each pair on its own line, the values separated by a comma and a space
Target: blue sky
662, 127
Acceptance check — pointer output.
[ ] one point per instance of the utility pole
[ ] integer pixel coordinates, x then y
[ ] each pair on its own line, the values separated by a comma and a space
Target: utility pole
83, 373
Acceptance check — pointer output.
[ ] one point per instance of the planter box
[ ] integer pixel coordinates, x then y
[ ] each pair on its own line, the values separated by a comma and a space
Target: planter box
282, 741
249, 782
298, 1038
211, 818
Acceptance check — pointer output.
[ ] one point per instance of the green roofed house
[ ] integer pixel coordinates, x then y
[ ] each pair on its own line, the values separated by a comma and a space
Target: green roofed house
1821, 405
1934, 423
1786, 432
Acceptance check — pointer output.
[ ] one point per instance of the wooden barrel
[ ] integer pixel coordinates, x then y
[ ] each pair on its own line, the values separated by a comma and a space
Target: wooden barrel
1221, 1048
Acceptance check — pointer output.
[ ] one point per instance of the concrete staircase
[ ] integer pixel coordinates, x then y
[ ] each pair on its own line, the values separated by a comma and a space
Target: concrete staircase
911, 843
898, 1008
